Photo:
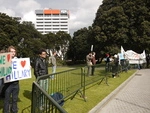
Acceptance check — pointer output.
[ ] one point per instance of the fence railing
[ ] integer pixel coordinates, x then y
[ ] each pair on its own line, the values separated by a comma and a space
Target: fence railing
42, 102
68, 83
98, 77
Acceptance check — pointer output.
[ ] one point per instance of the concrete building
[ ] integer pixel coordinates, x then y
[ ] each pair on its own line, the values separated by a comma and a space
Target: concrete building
52, 20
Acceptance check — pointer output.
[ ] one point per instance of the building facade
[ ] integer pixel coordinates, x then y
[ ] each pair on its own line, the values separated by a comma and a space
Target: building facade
52, 20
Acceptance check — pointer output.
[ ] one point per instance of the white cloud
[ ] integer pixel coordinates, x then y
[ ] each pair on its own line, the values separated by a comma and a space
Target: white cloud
30, 16
82, 12
27, 8
8, 11
27, 5
85, 13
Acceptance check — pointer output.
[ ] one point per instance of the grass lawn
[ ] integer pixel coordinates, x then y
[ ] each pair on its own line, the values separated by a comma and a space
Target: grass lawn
94, 94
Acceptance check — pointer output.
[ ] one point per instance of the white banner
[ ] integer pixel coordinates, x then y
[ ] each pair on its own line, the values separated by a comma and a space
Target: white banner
133, 57
21, 69
134, 61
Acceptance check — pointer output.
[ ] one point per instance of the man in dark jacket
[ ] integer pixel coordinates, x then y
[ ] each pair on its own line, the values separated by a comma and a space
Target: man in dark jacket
40, 69
41, 65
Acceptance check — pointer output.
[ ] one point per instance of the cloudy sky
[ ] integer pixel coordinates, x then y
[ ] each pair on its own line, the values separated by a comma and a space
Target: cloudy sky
82, 12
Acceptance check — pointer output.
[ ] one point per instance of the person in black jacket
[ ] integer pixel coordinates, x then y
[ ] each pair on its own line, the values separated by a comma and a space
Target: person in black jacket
40, 69
41, 65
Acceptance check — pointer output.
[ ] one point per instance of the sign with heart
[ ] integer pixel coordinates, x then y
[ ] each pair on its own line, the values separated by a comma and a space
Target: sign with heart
21, 69
23, 63
5, 64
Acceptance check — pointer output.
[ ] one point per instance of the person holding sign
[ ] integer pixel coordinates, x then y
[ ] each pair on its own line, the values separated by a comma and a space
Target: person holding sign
12, 90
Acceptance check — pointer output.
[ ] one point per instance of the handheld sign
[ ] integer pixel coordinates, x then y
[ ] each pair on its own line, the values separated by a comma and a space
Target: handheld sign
5, 64
91, 47
20, 70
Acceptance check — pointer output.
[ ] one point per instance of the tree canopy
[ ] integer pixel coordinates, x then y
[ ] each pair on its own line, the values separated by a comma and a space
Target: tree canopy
123, 23
26, 38
117, 23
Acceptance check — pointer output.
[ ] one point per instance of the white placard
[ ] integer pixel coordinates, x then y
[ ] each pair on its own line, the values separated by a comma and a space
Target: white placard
21, 69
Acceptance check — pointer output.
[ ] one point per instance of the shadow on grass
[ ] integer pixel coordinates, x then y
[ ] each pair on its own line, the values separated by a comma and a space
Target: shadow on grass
27, 94
27, 110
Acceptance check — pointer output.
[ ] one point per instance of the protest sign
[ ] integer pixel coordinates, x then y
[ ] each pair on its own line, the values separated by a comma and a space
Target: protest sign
5, 64
20, 70
133, 57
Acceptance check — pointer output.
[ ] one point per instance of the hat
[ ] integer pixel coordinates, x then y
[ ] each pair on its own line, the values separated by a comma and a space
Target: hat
107, 55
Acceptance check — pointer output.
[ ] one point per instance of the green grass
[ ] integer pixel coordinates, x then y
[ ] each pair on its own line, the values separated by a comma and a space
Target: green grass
94, 94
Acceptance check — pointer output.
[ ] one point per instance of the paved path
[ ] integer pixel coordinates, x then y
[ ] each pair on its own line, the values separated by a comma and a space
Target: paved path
133, 96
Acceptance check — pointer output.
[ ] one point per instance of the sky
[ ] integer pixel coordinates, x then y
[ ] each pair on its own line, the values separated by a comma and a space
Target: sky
82, 12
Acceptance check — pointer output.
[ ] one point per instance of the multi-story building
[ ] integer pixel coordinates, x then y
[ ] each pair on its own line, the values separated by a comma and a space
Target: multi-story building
52, 20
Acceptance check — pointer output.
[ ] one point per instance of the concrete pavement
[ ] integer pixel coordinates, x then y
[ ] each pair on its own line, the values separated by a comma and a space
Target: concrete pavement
132, 96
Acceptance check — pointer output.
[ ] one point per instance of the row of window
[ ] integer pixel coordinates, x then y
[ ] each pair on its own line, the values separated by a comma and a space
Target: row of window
51, 19
51, 22
52, 15
52, 29
46, 32
50, 25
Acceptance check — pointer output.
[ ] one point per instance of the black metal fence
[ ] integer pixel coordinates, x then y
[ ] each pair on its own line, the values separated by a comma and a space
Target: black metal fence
42, 102
68, 83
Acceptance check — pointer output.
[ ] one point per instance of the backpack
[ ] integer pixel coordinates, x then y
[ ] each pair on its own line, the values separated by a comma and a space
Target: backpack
58, 97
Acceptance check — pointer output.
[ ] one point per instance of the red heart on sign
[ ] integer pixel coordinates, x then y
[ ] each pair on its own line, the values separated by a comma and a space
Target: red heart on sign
8, 57
23, 63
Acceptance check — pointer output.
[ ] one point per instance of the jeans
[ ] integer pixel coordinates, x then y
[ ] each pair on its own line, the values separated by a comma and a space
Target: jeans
44, 85
53, 70
93, 69
13, 89
89, 70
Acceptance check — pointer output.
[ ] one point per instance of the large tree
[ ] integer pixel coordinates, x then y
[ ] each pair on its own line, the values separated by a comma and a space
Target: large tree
79, 46
123, 23
24, 36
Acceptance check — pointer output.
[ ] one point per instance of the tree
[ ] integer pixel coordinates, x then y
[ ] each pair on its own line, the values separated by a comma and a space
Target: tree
24, 36
79, 46
123, 23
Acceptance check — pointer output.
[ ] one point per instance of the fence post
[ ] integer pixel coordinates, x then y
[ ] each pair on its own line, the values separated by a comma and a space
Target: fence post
83, 81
